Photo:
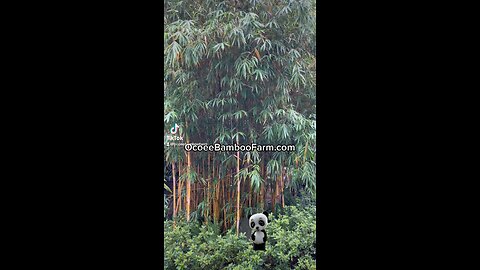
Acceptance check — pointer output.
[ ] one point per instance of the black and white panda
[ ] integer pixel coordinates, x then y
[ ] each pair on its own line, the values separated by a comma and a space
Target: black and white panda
258, 222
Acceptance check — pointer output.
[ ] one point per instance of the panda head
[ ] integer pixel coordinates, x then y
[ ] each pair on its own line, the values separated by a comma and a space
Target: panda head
258, 221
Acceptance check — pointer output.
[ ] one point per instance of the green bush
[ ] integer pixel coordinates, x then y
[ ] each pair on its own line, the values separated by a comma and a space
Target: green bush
306, 263
292, 239
191, 246
290, 245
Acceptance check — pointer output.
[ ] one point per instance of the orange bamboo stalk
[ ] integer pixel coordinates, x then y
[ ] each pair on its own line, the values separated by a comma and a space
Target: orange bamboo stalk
208, 189
238, 190
180, 186
189, 164
224, 208
174, 194
281, 190
250, 195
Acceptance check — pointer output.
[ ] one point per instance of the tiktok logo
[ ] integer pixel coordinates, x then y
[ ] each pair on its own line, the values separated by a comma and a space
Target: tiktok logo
174, 129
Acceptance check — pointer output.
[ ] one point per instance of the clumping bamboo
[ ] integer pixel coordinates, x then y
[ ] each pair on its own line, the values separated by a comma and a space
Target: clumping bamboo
240, 74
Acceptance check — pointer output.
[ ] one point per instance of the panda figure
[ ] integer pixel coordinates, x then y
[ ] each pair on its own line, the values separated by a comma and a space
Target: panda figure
257, 223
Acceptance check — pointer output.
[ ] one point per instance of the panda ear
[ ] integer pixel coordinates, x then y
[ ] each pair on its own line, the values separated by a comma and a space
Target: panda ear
249, 216
266, 214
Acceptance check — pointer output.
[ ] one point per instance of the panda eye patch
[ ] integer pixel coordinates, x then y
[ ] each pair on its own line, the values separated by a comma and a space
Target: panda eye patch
252, 224
261, 223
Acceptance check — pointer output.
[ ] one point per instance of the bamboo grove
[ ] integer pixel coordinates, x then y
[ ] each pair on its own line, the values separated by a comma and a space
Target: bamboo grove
239, 72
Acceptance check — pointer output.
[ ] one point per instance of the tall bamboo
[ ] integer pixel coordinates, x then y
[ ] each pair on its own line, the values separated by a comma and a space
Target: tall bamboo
174, 194
189, 164
180, 187
238, 189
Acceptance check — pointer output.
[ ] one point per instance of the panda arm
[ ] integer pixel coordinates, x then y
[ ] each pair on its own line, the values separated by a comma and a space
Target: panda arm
253, 236
264, 236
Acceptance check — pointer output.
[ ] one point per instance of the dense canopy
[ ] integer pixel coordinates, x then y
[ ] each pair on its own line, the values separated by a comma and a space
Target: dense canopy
239, 72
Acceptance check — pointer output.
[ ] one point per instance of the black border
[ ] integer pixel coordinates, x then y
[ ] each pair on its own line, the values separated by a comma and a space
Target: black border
99, 201
89, 134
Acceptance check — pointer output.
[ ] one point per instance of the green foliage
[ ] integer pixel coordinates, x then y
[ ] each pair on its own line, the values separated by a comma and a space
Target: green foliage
291, 244
292, 237
165, 205
306, 263
243, 69
165, 185
191, 246
246, 71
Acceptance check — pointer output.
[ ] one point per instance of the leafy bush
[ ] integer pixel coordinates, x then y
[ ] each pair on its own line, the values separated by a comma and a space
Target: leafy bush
191, 246
292, 239
290, 245
306, 263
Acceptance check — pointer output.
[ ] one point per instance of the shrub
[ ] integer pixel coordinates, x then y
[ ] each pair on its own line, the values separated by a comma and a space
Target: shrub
291, 245
292, 239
